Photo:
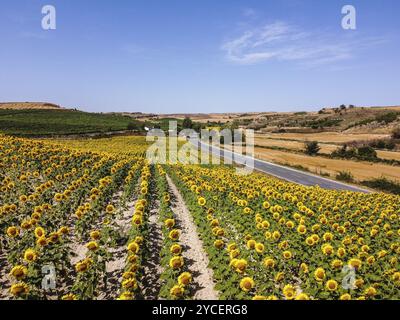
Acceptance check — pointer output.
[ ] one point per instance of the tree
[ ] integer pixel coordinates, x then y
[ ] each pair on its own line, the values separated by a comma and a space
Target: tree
187, 123
311, 148
134, 125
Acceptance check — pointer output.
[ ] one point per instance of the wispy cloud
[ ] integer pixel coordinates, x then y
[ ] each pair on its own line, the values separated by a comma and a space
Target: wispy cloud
284, 42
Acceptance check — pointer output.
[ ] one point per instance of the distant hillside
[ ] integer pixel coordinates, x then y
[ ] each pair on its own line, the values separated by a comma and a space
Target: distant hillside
39, 118
28, 105
351, 119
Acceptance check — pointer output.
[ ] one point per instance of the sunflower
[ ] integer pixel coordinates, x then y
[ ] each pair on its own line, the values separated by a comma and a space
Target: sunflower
359, 283
266, 205
287, 254
327, 249
259, 248
54, 237
30, 255
126, 295
319, 274
185, 278
95, 235
82, 266
169, 223
128, 275
19, 289
129, 284
58, 197
289, 292
12, 232
337, 264
92, 246
42, 242
331, 285
19, 272
219, 244
371, 260
246, 284
240, 265
396, 277
258, 297
167, 198
302, 229
201, 201
234, 253
232, 246
302, 296
137, 220
175, 249
345, 296
251, 244
69, 296
176, 262
370, 292
355, 263
276, 235
341, 252
133, 247
110, 209
327, 237
174, 234
63, 230
304, 268
177, 291
310, 241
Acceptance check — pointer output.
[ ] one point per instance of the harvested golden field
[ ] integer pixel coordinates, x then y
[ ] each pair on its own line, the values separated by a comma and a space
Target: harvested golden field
360, 170
326, 148
289, 144
28, 105
326, 137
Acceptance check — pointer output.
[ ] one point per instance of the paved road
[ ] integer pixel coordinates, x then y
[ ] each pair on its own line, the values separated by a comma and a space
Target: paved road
278, 171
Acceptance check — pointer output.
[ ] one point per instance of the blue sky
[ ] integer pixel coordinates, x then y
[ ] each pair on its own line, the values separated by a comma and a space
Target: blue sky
181, 56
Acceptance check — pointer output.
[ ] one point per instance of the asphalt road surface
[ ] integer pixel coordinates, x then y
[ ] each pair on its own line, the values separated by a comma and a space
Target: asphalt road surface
285, 173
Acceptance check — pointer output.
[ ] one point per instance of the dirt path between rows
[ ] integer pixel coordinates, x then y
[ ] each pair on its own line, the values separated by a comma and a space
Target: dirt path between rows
193, 248
5, 282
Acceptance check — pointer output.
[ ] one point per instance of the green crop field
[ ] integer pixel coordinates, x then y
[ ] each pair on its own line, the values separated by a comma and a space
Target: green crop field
61, 122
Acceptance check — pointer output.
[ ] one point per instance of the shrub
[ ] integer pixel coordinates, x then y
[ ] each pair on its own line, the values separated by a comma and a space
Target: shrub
396, 133
382, 144
383, 184
344, 152
345, 176
367, 153
311, 148
362, 153
387, 117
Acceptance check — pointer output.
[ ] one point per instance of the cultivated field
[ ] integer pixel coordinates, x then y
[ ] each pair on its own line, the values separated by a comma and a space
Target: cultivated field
114, 226
324, 137
360, 170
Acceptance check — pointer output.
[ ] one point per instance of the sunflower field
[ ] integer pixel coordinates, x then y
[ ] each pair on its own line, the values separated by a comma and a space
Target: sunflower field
93, 219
